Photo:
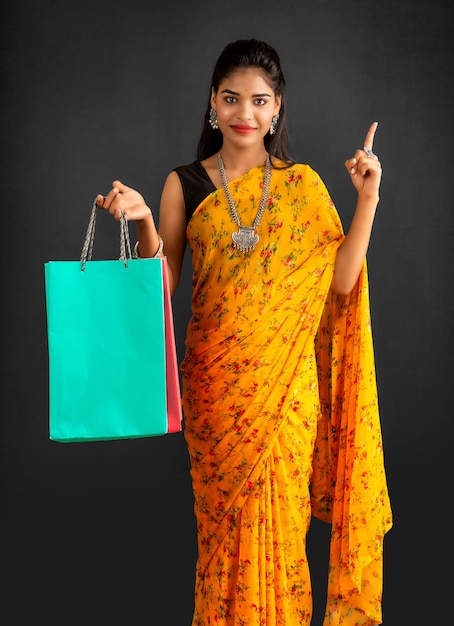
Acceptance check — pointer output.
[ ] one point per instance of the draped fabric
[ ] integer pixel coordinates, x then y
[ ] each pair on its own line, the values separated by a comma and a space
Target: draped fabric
280, 408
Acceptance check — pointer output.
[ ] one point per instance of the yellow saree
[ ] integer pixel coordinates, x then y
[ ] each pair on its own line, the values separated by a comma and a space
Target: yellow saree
280, 408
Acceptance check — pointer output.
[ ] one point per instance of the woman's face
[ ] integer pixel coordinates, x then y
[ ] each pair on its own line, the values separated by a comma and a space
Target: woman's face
245, 105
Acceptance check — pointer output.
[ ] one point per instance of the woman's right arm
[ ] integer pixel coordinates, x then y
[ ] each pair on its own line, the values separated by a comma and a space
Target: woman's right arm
172, 221
172, 227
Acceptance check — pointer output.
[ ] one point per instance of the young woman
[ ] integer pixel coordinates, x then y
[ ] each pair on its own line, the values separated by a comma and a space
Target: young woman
279, 392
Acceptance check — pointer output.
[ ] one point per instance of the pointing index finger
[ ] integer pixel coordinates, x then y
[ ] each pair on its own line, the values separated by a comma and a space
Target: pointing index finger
369, 140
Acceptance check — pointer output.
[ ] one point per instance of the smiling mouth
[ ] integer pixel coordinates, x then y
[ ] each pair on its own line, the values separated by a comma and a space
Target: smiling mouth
243, 129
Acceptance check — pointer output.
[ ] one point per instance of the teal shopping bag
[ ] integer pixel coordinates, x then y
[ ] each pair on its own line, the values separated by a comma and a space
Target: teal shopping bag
112, 357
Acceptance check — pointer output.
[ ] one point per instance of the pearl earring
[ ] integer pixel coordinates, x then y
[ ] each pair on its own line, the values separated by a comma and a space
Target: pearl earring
213, 119
274, 122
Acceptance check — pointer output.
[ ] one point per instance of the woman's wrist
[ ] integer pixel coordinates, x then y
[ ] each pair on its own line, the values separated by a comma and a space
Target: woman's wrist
149, 242
158, 254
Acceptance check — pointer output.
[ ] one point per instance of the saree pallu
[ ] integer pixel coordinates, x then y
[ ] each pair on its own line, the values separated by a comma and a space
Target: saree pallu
280, 412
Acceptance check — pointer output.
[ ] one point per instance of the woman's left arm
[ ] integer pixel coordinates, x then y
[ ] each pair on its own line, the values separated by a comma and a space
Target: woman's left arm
365, 172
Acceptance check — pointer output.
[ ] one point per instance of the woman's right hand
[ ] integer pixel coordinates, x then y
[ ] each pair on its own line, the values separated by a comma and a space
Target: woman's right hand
123, 199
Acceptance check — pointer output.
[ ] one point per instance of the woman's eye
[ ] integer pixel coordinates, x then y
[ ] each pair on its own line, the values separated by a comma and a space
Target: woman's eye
230, 99
260, 101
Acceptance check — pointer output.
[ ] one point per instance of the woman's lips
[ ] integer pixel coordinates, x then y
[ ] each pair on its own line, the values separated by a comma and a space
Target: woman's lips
244, 130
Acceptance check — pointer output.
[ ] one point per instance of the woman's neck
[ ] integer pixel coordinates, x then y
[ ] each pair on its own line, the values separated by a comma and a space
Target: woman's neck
238, 162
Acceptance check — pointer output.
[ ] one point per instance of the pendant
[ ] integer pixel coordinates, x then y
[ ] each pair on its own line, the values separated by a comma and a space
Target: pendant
245, 239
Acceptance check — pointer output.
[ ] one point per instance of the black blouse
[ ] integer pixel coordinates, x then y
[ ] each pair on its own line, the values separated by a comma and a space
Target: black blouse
196, 184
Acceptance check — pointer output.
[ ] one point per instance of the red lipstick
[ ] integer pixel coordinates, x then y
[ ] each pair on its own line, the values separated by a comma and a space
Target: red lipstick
243, 129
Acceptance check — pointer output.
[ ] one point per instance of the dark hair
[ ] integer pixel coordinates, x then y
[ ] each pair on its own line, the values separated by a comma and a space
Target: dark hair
240, 54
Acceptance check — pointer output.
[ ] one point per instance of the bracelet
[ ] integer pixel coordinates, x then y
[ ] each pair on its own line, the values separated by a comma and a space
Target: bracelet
159, 250
158, 254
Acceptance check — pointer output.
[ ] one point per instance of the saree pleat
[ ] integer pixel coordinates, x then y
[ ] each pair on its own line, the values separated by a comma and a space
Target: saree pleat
258, 400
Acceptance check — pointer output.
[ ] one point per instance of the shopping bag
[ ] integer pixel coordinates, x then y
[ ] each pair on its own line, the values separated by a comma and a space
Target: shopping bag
113, 370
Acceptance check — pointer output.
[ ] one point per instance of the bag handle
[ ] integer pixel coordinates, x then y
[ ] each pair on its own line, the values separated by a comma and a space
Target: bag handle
125, 242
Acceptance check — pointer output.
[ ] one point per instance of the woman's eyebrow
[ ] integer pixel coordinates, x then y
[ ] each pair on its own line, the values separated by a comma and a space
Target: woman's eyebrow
254, 95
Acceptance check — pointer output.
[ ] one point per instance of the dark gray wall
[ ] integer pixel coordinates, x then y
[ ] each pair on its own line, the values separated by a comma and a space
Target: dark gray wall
95, 90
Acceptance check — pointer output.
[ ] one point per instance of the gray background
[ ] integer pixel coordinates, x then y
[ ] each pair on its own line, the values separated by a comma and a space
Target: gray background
104, 533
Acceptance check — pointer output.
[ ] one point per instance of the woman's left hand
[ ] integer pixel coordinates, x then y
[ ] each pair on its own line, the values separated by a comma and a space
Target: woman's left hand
364, 168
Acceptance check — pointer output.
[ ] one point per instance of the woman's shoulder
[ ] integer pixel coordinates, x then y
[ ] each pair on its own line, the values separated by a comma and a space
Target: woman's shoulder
195, 183
300, 178
295, 168
194, 175
189, 169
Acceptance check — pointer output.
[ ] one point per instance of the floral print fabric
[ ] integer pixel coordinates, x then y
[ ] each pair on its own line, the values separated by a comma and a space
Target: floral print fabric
280, 409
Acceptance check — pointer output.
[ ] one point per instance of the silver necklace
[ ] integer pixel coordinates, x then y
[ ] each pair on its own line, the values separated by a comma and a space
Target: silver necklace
246, 238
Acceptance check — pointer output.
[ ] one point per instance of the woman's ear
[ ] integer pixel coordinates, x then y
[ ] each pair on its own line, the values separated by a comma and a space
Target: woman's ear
277, 105
213, 96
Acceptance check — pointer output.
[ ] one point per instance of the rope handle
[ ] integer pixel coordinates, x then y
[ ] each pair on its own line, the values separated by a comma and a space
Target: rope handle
125, 242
